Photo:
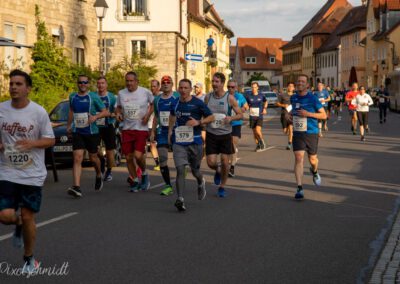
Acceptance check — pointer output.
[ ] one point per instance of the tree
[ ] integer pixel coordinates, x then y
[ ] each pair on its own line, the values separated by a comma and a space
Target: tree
257, 76
137, 63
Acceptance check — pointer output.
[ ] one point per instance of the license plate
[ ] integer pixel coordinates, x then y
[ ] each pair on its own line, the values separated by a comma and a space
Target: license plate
66, 148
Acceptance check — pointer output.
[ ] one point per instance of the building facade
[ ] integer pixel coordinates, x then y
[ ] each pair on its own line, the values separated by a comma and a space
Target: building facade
72, 23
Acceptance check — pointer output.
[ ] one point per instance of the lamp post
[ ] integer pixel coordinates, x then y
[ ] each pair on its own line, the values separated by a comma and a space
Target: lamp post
101, 10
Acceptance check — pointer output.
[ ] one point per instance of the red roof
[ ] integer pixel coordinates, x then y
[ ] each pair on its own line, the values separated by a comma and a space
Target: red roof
262, 49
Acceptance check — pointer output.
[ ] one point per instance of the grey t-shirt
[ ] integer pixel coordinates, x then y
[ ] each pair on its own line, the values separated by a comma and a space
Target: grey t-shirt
284, 99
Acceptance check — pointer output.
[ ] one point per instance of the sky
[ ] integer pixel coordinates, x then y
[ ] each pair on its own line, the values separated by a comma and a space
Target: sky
268, 18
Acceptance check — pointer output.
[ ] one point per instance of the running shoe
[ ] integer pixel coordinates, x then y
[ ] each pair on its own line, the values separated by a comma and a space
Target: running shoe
134, 186
231, 172
221, 192
75, 191
17, 239
167, 190
258, 148
30, 265
108, 175
201, 190
156, 168
299, 194
217, 178
289, 146
180, 204
316, 177
98, 185
145, 183
363, 138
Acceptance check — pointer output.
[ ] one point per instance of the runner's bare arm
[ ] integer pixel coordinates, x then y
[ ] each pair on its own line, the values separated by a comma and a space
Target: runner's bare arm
103, 113
69, 122
118, 113
171, 123
236, 108
321, 114
150, 110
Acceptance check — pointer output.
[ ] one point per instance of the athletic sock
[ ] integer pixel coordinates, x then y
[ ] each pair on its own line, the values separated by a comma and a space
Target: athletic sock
157, 161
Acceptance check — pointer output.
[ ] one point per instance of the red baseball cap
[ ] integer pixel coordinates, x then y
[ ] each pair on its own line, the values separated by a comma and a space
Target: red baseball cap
166, 78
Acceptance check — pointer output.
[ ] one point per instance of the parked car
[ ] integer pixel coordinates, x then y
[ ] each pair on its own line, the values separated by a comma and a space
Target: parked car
272, 98
63, 146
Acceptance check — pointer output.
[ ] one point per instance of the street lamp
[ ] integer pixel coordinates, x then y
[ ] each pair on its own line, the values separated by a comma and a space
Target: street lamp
101, 10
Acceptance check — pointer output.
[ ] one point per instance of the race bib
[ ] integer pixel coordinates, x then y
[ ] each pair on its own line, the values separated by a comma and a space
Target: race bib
381, 100
354, 102
219, 120
101, 121
164, 118
299, 124
289, 108
131, 112
254, 111
81, 120
17, 158
337, 99
184, 134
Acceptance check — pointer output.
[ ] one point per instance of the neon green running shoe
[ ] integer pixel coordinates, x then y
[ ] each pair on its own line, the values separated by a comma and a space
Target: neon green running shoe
167, 190
156, 168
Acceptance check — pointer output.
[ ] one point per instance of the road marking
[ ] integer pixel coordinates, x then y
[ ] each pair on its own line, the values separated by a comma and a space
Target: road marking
44, 223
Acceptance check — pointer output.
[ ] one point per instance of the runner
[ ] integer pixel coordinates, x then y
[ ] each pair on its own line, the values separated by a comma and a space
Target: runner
106, 127
258, 108
25, 133
383, 103
337, 105
324, 97
85, 108
155, 90
134, 108
198, 91
185, 134
307, 110
363, 101
351, 101
329, 106
219, 132
286, 121
236, 125
162, 108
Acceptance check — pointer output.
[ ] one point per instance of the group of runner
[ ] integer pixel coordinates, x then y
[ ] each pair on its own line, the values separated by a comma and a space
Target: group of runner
181, 119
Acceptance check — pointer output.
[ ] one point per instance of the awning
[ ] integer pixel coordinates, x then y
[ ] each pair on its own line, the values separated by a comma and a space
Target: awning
9, 42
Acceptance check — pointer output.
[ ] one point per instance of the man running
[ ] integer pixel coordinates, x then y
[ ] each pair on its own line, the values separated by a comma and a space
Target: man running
107, 128
219, 132
155, 90
351, 101
25, 133
184, 132
324, 97
198, 91
162, 108
258, 108
383, 103
236, 125
306, 110
85, 108
134, 108
286, 121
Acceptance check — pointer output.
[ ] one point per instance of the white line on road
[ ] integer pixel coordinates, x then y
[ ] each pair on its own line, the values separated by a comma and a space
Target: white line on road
62, 217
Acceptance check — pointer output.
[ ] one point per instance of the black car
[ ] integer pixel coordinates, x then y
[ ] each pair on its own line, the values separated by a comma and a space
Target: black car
63, 146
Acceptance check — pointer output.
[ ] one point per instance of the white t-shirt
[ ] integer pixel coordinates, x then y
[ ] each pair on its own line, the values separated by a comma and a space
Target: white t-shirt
362, 99
134, 107
32, 123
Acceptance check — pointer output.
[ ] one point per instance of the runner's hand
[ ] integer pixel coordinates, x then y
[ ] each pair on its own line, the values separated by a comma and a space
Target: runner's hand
302, 112
119, 117
151, 136
227, 120
145, 119
69, 129
92, 118
192, 122
24, 145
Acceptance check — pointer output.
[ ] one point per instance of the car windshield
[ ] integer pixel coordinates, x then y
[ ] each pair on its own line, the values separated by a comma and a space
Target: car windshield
60, 112
264, 88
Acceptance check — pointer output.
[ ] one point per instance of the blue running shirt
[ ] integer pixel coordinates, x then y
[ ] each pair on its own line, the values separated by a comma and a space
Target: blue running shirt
162, 110
109, 101
82, 106
241, 102
194, 108
256, 104
323, 95
309, 103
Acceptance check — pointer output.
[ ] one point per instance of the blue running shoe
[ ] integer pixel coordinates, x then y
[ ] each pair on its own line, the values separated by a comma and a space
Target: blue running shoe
145, 184
316, 177
221, 192
108, 175
217, 178
134, 186
31, 266
299, 194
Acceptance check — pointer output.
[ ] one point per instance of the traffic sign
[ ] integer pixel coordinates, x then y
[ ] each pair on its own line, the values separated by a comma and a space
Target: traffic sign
194, 57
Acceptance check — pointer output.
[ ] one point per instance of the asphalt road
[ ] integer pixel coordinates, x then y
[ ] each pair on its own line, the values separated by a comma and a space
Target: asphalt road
258, 234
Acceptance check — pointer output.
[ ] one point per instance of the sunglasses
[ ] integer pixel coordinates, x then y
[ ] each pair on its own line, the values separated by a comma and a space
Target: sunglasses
83, 82
166, 82
231, 87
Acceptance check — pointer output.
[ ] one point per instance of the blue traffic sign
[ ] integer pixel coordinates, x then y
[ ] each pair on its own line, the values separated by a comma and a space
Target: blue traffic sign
194, 57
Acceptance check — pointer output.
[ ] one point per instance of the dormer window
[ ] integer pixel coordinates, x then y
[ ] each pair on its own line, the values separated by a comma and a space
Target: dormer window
250, 60
272, 59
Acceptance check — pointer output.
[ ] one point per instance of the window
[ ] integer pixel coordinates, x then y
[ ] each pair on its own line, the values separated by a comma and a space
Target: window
139, 47
272, 59
250, 60
79, 51
21, 52
134, 7
8, 51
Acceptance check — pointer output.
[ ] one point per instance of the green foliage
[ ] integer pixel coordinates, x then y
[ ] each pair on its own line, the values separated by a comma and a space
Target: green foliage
116, 75
257, 76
